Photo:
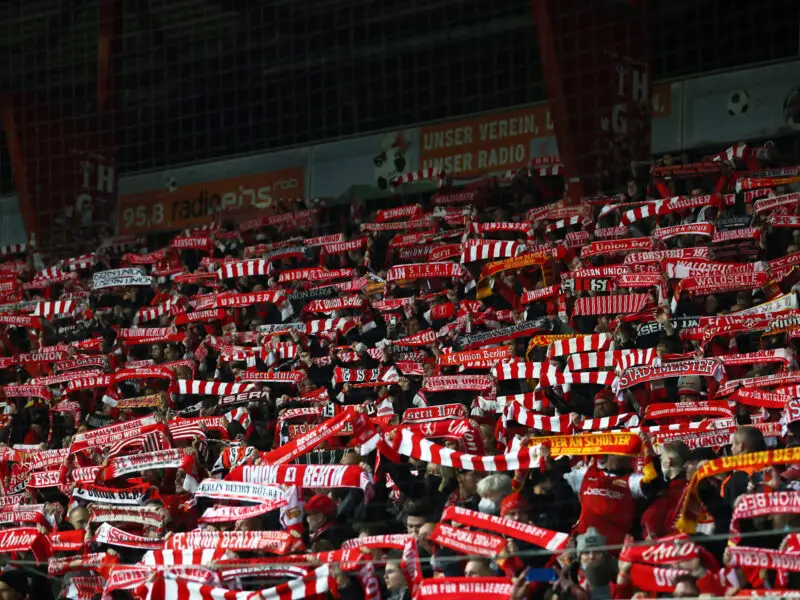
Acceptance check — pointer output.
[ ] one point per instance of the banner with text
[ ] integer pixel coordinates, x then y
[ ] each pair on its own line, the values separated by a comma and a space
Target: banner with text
197, 204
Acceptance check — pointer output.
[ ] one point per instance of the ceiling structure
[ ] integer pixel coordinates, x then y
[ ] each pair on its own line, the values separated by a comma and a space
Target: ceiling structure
207, 78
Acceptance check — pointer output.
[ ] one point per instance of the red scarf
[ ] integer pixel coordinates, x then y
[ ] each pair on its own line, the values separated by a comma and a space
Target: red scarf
704, 367
276, 542
308, 476
553, 541
750, 506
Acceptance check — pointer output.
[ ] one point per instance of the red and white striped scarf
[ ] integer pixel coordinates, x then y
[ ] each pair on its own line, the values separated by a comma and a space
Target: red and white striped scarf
612, 359
643, 211
412, 445
563, 423
245, 268
58, 308
626, 304
211, 388
477, 250
172, 307
596, 342
435, 174
168, 588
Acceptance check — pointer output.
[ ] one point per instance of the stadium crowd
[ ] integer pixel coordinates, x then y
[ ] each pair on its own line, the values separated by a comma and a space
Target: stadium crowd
485, 391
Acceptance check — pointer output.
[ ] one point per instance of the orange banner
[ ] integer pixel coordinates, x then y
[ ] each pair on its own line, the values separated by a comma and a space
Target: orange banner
488, 143
501, 140
197, 204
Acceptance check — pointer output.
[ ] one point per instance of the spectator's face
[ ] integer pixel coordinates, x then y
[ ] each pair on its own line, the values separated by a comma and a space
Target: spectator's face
424, 533
246, 525
711, 305
592, 557
517, 514
413, 326
476, 568
315, 521
744, 299
79, 518
737, 447
394, 577
468, 482
413, 525
603, 408
684, 589
157, 353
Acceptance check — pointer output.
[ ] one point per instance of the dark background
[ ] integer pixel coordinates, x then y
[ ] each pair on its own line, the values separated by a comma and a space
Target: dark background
202, 79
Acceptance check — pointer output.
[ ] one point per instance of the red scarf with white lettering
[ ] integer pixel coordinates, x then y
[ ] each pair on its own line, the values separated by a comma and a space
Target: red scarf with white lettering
686, 410
445, 383
307, 476
174, 458
329, 305
457, 588
295, 448
113, 536
763, 558
554, 541
750, 506
472, 543
275, 542
654, 579
469, 356
25, 539
666, 551
703, 367
419, 339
